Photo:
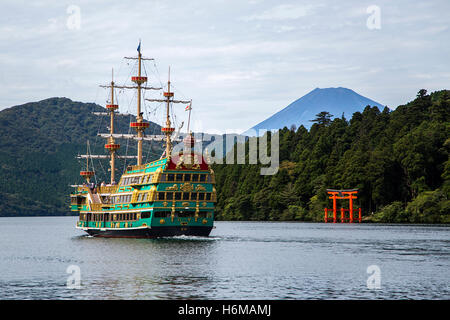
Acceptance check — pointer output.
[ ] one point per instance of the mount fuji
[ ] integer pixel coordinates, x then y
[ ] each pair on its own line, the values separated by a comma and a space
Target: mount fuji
336, 101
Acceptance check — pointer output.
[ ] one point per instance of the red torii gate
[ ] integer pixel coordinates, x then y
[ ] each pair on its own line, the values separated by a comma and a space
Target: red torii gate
345, 194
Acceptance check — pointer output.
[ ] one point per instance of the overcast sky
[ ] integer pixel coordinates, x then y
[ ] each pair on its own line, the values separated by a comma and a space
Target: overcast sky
240, 61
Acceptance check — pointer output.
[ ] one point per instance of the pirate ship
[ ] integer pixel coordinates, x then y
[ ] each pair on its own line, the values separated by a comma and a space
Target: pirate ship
171, 196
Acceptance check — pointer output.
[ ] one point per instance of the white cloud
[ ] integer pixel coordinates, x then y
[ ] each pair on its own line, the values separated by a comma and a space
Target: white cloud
282, 12
284, 28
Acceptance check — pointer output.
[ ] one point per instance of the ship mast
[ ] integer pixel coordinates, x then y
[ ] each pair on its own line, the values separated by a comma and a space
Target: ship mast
139, 125
87, 174
168, 130
111, 145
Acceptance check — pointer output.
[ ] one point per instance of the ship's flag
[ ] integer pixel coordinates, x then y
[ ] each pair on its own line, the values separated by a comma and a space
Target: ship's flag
139, 47
188, 107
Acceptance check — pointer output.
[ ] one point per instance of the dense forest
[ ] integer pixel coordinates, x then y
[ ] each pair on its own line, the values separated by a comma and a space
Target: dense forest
399, 161
39, 142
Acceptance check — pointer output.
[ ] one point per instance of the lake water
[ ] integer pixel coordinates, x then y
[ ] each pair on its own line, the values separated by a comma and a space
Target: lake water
240, 260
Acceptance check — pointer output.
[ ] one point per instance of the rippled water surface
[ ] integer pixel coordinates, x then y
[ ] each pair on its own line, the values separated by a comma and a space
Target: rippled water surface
240, 260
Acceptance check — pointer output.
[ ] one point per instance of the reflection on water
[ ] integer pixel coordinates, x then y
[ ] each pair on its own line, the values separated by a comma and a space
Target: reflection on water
240, 260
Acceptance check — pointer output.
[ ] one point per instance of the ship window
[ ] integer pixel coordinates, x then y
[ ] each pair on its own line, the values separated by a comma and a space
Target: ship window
185, 195
144, 198
160, 195
202, 177
169, 195
193, 196
185, 214
194, 177
201, 196
187, 177
163, 177
177, 195
170, 177
145, 215
179, 177
208, 196
161, 214
139, 198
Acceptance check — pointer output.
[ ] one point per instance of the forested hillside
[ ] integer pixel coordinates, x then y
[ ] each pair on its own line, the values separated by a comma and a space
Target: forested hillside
39, 143
398, 159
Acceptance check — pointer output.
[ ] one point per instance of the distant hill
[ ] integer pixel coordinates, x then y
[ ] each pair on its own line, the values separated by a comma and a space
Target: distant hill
39, 142
336, 101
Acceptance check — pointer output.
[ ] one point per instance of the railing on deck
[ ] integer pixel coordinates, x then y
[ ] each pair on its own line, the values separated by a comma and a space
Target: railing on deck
96, 206
107, 189
136, 167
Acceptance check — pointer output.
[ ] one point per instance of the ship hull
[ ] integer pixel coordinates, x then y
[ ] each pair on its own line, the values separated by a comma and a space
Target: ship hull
157, 232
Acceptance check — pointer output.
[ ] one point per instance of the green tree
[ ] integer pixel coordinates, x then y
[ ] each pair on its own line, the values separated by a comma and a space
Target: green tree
323, 118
